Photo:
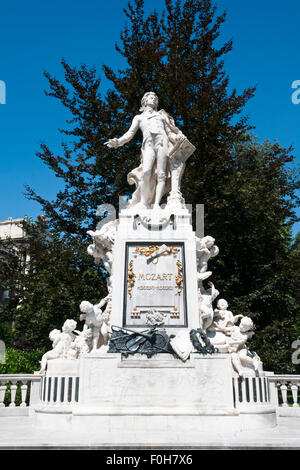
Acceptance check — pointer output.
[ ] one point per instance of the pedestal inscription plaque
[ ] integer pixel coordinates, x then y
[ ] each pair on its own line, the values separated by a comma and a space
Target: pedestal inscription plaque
155, 290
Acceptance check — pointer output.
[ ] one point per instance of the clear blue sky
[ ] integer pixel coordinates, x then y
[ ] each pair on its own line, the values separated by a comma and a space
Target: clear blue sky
35, 35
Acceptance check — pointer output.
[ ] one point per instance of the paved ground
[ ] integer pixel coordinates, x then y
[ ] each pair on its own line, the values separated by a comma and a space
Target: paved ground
21, 433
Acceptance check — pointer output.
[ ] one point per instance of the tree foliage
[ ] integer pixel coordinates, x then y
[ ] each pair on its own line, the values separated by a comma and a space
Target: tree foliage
173, 56
48, 287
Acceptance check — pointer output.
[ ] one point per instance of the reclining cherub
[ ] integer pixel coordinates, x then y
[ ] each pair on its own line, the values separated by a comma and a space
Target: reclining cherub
62, 347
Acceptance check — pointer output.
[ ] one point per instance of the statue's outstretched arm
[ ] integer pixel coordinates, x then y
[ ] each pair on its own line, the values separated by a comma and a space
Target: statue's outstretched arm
119, 142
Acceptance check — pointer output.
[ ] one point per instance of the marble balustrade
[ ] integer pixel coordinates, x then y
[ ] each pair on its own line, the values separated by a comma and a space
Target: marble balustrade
26, 390
19, 391
285, 393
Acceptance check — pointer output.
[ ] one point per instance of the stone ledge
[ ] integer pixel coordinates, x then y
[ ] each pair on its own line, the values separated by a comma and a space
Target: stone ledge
139, 411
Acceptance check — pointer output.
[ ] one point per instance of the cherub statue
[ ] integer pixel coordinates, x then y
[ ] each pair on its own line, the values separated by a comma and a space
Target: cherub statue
205, 249
105, 328
206, 298
62, 344
240, 355
100, 254
223, 318
92, 314
103, 242
83, 341
98, 320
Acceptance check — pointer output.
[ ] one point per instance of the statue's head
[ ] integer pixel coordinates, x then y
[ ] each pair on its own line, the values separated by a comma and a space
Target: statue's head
246, 324
86, 307
208, 241
149, 98
222, 304
53, 334
69, 326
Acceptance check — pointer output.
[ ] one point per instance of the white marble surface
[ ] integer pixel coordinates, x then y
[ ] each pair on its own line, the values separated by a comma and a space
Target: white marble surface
144, 229
157, 396
64, 368
24, 433
158, 383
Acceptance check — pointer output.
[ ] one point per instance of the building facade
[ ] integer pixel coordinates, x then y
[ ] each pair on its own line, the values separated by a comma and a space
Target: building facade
13, 229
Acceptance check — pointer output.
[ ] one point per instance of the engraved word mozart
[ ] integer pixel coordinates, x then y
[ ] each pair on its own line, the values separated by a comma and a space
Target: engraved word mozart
155, 277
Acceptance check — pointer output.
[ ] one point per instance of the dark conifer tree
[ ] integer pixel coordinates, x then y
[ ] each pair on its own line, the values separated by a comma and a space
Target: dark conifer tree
173, 56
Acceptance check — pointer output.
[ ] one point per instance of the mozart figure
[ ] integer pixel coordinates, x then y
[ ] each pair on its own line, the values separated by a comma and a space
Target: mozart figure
160, 137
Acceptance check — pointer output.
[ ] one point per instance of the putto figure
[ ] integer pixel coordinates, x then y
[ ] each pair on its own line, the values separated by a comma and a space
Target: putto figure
62, 344
92, 314
240, 355
224, 319
160, 137
206, 249
205, 299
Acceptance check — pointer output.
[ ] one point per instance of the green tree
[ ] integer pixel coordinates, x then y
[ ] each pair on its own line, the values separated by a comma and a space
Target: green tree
174, 56
47, 288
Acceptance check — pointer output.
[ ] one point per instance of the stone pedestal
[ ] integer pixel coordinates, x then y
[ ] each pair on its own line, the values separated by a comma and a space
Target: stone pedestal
161, 384
135, 399
143, 280
158, 362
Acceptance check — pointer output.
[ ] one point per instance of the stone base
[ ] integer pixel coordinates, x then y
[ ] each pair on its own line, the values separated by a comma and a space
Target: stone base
22, 433
163, 382
163, 394
135, 400
14, 411
47, 417
179, 430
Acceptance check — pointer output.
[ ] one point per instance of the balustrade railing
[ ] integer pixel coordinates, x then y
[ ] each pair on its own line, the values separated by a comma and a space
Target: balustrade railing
285, 394
18, 392
251, 391
60, 390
